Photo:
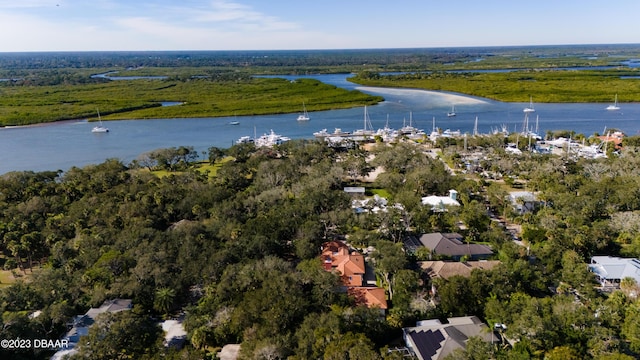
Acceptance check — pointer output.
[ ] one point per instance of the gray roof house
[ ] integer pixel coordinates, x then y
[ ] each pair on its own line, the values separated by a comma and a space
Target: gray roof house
611, 270
447, 244
433, 340
82, 323
524, 201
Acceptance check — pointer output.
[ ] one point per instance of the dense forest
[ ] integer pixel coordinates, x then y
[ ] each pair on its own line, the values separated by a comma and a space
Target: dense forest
235, 251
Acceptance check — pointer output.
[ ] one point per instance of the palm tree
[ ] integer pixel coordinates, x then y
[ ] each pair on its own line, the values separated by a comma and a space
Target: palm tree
164, 298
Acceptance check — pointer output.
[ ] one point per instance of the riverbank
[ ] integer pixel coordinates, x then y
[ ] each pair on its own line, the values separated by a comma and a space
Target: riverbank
544, 86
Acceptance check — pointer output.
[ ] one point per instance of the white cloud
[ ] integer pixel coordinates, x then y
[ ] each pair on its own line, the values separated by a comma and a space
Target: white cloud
215, 25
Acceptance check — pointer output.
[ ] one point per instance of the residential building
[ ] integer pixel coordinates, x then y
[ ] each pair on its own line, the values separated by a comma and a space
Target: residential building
440, 203
524, 201
611, 270
450, 245
355, 190
82, 323
369, 296
447, 269
336, 256
349, 264
229, 352
433, 340
174, 333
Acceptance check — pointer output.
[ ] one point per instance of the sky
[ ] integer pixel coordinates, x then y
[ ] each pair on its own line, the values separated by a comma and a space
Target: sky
141, 25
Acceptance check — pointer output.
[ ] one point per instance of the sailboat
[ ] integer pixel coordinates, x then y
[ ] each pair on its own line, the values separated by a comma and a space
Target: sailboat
304, 116
367, 129
99, 128
530, 107
615, 105
452, 113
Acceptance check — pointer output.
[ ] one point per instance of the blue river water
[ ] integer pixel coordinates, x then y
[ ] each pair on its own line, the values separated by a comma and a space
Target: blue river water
62, 145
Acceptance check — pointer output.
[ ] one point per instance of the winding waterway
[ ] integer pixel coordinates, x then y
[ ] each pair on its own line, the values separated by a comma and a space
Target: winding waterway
63, 145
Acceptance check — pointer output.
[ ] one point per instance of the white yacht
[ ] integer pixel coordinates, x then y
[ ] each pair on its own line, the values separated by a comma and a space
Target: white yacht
336, 132
387, 133
410, 130
270, 139
244, 140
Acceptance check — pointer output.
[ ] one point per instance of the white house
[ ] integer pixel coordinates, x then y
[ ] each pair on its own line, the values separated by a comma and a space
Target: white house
611, 270
440, 203
523, 201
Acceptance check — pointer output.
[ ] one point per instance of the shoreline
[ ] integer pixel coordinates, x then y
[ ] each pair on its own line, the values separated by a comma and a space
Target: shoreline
438, 96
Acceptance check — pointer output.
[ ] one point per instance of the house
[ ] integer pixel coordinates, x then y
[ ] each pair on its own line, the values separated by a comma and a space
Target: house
523, 201
81, 324
433, 340
440, 203
372, 297
336, 256
355, 190
350, 264
373, 204
611, 270
447, 269
615, 138
447, 244
229, 352
174, 333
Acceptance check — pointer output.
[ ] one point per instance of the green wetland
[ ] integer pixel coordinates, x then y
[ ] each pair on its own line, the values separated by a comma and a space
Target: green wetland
46, 87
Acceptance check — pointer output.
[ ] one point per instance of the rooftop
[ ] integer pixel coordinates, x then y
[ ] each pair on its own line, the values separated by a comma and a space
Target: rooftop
615, 268
447, 269
449, 244
434, 340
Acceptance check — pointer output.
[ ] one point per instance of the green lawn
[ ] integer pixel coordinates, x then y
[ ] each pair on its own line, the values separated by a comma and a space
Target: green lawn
202, 167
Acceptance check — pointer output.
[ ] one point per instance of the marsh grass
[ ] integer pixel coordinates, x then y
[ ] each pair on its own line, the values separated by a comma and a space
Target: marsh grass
545, 86
141, 99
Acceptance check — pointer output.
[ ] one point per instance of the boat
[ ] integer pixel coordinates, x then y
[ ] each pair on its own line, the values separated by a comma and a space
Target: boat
527, 131
234, 123
452, 113
435, 132
367, 129
513, 149
100, 128
337, 132
451, 133
615, 106
270, 139
305, 115
322, 133
530, 108
387, 133
409, 130
244, 140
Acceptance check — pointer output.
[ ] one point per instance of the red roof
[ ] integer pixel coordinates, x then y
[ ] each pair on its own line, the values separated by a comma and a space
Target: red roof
336, 255
371, 297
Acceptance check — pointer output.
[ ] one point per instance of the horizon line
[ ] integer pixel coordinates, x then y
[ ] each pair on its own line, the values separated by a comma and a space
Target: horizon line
326, 49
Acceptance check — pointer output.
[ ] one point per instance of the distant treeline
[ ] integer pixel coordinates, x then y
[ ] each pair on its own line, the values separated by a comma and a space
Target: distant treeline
352, 58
